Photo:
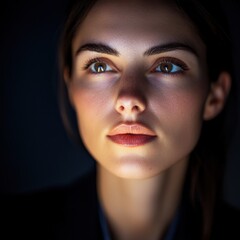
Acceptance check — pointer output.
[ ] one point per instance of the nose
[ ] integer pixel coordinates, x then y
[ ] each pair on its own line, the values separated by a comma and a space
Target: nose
130, 104
131, 95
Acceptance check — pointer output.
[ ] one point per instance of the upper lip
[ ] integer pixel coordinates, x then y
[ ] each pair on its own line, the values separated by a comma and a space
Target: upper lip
132, 128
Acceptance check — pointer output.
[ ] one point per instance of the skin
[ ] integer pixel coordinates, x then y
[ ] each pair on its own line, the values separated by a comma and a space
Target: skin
171, 105
133, 181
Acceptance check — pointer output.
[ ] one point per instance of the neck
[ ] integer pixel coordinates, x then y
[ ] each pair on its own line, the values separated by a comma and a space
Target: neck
140, 209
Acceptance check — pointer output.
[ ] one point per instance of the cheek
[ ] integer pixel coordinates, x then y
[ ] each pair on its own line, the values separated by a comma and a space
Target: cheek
179, 115
91, 107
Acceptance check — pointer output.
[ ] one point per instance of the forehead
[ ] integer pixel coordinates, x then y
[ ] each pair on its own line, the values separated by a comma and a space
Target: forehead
136, 23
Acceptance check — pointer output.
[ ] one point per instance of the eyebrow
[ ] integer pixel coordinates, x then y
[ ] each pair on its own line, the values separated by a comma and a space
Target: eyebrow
170, 47
98, 47
103, 48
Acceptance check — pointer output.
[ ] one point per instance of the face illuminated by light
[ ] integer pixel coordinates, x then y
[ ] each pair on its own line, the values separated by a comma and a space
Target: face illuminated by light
139, 86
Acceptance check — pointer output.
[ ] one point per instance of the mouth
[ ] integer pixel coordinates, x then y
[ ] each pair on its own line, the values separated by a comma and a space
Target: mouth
131, 135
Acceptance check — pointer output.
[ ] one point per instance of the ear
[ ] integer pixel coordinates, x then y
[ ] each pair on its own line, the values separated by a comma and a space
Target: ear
217, 96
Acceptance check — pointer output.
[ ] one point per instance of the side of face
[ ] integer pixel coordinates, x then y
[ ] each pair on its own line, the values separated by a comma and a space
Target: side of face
141, 63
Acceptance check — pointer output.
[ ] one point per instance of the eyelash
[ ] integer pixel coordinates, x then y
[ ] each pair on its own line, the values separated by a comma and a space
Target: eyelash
91, 61
170, 60
173, 61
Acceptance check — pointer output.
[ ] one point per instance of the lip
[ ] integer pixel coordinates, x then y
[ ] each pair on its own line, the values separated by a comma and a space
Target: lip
131, 135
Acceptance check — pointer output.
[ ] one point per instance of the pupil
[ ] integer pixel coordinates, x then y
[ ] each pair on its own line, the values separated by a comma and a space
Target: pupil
100, 67
167, 67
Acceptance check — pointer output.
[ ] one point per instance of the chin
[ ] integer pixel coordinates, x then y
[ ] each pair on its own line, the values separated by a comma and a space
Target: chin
135, 168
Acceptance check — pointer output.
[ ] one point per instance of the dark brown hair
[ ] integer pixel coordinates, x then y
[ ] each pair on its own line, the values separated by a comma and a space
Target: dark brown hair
208, 158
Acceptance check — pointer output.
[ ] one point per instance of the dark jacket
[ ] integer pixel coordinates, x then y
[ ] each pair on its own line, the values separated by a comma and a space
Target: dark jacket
71, 213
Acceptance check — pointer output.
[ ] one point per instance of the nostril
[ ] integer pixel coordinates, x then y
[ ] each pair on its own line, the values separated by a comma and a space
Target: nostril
129, 105
131, 109
135, 108
121, 108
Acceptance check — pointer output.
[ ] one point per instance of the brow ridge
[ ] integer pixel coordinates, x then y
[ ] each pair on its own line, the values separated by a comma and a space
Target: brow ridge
103, 48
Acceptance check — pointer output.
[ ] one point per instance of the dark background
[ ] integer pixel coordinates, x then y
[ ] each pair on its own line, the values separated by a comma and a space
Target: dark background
35, 151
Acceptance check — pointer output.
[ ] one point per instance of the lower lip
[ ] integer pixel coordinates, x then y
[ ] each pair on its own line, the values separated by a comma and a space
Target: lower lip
131, 140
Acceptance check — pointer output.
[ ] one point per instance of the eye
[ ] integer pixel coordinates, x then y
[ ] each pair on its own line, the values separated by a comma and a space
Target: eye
169, 67
100, 67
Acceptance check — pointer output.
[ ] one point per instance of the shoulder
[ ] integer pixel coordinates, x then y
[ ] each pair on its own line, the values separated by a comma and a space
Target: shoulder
69, 212
227, 222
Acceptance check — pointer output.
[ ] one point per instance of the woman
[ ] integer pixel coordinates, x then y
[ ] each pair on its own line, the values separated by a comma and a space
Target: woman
147, 81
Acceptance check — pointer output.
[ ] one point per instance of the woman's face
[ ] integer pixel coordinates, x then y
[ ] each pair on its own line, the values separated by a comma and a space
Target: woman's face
139, 86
